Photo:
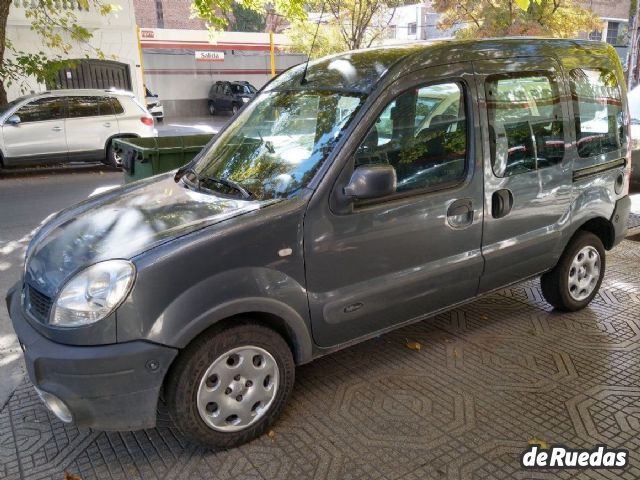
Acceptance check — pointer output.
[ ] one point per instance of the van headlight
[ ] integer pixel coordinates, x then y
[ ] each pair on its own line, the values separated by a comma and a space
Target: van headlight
93, 293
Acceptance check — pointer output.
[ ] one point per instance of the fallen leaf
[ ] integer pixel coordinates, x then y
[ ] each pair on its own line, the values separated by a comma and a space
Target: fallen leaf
455, 353
414, 345
71, 476
271, 434
484, 317
537, 441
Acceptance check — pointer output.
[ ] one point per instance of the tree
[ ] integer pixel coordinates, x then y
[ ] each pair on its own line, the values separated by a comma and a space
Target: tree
345, 24
57, 29
217, 13
244, 19
489, 18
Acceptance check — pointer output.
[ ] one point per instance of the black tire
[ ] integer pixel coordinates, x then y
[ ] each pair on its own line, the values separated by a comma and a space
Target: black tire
212, 108
111, 158
183, 381
555, 283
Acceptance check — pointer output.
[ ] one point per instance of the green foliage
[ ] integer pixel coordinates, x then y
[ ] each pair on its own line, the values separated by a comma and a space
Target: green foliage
489, 18
328, 40
246, 20
346, 25
58, 30
216, 13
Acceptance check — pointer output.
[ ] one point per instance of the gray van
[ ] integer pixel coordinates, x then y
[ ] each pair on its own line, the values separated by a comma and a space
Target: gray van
370, 190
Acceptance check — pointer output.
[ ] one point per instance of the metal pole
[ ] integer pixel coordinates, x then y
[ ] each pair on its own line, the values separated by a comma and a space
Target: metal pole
143, 94
273, 56
632, 60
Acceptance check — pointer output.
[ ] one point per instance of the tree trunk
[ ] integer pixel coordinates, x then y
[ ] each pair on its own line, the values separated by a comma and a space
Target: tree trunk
4, 14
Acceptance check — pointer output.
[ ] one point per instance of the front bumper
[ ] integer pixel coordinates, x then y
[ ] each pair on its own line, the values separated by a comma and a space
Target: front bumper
107, 387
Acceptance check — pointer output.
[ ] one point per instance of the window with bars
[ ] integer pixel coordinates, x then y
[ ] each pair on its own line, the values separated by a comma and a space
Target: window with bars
612, 32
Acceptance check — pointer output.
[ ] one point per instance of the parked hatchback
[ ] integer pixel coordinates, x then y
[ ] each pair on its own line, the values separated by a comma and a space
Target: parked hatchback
370, 190
69, 125
229, 96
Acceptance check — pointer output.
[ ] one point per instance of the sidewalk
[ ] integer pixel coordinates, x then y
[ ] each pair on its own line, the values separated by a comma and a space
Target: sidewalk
490, 377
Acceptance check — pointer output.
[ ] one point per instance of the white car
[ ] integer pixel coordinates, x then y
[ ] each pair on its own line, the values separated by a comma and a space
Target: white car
153, 105
70, 125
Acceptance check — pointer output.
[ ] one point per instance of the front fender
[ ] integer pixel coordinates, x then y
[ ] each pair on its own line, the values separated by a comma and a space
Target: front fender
249, 290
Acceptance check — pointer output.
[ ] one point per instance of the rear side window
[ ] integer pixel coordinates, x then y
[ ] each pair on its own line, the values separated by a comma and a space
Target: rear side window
423, 134
43, 109
525, 122
83, 107
598, 111
116, 105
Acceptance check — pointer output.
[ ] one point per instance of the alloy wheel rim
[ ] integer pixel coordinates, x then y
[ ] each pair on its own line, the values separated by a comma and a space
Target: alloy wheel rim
584, 273
238, 388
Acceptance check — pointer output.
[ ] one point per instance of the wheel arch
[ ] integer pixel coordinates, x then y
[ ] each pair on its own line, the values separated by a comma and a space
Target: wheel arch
264, 311
118, 135
601, 228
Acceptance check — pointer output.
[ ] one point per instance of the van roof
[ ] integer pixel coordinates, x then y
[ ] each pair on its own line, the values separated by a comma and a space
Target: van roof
362, 70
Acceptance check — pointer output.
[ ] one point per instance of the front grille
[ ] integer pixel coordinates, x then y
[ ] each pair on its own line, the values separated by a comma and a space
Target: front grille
38, 304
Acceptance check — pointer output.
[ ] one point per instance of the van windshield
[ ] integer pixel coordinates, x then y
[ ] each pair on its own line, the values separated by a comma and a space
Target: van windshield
277, 144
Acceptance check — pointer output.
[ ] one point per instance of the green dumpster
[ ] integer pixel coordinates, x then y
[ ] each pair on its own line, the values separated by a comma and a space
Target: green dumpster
144, 157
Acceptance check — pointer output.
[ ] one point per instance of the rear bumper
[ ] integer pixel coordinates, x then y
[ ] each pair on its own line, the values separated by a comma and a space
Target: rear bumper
106, 387
620, 218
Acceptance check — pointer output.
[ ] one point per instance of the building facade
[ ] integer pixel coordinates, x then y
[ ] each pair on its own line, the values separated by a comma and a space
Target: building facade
182, 65
114, 35
173, 14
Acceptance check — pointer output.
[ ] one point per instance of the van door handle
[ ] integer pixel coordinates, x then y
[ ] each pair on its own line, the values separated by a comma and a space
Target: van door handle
107, 124
460, 213
57, 129
501, 203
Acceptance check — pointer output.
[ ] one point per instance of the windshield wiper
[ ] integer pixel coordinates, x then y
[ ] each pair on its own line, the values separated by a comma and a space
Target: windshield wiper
228, 183
197, 180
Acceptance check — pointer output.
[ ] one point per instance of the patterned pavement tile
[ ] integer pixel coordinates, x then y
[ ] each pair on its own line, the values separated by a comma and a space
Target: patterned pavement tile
489, 377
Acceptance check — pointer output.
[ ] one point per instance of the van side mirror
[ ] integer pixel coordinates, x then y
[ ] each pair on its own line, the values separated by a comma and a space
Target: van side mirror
371, 181
13, 120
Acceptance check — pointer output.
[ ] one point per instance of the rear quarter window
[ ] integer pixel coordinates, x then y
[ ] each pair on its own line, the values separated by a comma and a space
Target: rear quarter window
525, 122
598, 111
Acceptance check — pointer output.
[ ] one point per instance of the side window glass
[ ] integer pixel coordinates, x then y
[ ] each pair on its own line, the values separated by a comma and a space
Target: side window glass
525, 122
598, 112
104, 106
423, 135
117, 106
42, 109
83, 107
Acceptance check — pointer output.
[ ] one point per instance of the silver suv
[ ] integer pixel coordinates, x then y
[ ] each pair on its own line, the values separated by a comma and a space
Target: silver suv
70, 125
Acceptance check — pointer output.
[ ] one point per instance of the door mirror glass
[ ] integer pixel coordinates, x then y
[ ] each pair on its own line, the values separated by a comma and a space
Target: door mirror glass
13, 120
371, 181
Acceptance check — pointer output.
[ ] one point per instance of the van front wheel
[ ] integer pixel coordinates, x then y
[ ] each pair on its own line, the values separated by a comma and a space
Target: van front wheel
576, 279
228, 387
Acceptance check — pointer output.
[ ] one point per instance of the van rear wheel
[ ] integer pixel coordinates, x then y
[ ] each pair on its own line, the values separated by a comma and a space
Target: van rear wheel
576, 279
229, 386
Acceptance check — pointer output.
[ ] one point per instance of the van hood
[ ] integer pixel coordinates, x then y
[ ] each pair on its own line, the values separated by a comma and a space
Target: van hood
122, 223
